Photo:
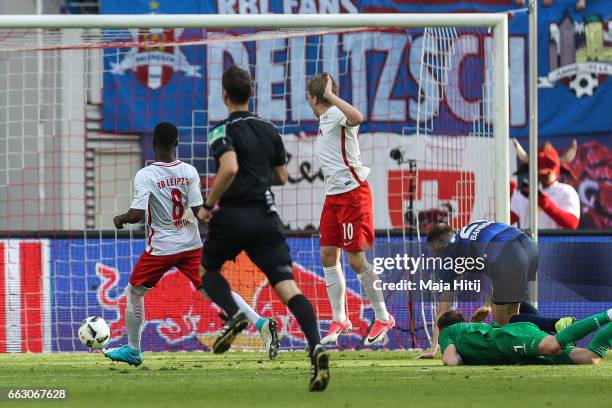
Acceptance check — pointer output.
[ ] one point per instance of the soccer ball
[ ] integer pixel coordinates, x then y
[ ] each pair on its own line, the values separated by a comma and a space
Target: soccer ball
94, 332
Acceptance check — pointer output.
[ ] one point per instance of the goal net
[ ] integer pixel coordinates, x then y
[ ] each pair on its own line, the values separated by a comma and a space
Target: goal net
77, 110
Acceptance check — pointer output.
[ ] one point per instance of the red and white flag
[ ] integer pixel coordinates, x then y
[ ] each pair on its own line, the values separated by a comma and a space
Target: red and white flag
25, 299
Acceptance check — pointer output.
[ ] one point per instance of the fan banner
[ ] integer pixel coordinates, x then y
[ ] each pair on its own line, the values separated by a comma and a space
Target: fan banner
82, 279
25, 295
170, 82
575, 68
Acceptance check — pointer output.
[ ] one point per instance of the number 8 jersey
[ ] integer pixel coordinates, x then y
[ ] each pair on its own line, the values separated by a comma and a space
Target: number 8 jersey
167, 191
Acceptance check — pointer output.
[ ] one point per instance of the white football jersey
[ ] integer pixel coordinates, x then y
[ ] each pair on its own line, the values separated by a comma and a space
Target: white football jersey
167, 191
338, 153
563, 195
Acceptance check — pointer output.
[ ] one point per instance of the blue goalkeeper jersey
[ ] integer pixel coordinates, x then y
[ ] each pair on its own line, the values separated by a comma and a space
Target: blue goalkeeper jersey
482, 237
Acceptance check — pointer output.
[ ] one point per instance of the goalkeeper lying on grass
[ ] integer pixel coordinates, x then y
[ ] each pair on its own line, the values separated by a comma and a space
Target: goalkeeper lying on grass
521, 343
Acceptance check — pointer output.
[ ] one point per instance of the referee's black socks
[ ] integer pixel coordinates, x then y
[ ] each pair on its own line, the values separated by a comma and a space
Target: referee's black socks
302, 309
218, 290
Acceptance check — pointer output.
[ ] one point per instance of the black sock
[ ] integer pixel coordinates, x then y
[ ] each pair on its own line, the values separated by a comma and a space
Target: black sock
305, 315
218, 290
527, 307
546, 324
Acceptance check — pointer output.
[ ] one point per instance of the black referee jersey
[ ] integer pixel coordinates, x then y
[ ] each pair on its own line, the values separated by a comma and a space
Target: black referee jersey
259, 148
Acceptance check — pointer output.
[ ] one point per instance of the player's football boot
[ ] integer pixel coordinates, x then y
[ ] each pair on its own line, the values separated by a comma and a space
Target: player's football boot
269, 337
232, 327
564, 322
378, 331
124, 354
319, 369
335, 330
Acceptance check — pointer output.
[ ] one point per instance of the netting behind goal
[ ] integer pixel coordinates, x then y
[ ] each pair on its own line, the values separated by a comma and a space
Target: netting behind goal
77, 109
455, 166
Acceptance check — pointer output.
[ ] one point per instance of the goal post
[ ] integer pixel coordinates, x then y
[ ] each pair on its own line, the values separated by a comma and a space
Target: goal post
501, 122
78, 96
497, 22
257, 21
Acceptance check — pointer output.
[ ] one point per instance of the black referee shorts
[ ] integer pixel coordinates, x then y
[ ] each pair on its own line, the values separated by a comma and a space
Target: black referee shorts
513, 269
248, 227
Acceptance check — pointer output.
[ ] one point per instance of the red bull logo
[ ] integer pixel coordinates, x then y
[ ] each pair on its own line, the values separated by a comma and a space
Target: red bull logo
179, 312
313, 287
174, 305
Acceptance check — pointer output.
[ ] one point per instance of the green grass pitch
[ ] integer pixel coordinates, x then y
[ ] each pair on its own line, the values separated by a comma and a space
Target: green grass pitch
358, 379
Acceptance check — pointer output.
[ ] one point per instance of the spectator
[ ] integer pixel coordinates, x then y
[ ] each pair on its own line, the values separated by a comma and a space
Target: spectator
559, 203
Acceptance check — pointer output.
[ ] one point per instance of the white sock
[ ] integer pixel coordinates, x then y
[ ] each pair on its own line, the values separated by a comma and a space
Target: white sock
134, 314
376, 297
610, 314
336, 291
246, 308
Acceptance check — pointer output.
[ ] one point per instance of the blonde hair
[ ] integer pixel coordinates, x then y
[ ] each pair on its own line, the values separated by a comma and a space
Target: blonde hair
316, 87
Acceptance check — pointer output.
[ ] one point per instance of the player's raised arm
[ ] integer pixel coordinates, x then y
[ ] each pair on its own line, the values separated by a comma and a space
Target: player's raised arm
353, 116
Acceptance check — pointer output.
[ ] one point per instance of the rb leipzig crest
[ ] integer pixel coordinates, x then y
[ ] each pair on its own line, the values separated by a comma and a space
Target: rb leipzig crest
156, 61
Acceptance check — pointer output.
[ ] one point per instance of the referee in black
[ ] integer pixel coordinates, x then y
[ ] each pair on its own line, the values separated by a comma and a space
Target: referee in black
250, 157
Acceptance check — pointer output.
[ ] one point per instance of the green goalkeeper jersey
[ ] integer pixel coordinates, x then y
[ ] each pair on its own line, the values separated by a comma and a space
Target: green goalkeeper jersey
514, 343
475, 342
